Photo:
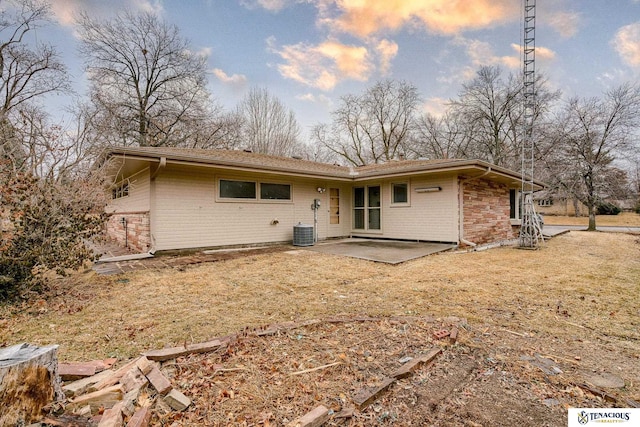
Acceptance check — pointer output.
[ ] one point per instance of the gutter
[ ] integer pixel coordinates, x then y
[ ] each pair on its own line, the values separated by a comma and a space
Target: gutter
461, 206
161, 165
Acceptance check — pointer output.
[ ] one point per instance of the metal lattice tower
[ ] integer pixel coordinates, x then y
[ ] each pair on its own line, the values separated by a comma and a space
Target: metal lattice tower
531, 229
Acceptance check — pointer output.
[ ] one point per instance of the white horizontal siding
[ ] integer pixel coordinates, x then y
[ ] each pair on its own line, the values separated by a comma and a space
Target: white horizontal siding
138, 198
188, 214
431, 216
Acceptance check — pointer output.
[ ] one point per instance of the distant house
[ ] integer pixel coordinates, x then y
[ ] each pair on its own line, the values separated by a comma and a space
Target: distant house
171, 198
547, 203
551, 204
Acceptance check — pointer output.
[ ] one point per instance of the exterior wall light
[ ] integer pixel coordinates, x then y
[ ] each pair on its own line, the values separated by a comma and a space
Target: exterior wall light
428, 189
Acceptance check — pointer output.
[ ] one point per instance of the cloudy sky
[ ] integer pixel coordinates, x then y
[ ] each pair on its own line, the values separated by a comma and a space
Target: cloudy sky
311, 52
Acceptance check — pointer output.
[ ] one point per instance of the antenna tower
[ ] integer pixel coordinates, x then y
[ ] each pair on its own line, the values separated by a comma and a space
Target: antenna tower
531, 229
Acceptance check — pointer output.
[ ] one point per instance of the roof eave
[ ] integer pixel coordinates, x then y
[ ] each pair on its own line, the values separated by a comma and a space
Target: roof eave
128, 153
346, 175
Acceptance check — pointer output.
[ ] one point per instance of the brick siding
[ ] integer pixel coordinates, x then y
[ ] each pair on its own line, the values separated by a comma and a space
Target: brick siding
138, 232
486, 212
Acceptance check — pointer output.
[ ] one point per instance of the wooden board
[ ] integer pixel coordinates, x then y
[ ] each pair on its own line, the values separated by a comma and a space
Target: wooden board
314, 418
174, 352
408, 368
367, 396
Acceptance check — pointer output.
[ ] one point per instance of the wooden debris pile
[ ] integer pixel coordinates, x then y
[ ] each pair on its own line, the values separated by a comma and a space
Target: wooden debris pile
140, 392
317, 372
98, 395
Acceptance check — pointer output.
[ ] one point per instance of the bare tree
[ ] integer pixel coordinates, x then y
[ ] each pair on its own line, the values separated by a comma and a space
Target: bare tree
372, 127
145, 78
589, 135
267, 126
219, 130
28, 71
445, 137
493, 109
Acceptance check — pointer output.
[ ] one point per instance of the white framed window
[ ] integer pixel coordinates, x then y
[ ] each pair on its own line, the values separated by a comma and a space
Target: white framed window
271, 191
234, 189
257, 191
120, 190
545, 202
400, 193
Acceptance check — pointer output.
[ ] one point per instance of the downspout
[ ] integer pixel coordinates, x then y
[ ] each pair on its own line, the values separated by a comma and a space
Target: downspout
161, 165
461, 206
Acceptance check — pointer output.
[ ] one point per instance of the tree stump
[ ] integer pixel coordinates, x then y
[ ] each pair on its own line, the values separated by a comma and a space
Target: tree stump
28, 381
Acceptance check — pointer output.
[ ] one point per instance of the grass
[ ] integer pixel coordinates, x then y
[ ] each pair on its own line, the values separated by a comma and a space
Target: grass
586, 279
575, 301
624, 219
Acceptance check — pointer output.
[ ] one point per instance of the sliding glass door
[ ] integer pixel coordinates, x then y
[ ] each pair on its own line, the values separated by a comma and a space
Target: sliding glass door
367, 208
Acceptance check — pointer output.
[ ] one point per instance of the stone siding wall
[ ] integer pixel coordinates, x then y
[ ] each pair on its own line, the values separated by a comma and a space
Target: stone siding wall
486, 212
138, 231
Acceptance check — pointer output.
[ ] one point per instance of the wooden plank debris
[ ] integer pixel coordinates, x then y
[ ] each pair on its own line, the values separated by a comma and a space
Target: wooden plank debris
129, 402
630, 403
408, 368
175, 352
368, 395
76, 371
113, 378
105, 398
112, 417
79, 387
159, 381
85, 411
68, 420
287, 326
177, 400
71, 371
317, 368
346, 413
314, 418
133, 379
141, 418
145, 365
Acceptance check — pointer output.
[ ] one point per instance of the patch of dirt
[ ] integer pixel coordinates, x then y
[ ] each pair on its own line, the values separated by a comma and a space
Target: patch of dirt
274, 379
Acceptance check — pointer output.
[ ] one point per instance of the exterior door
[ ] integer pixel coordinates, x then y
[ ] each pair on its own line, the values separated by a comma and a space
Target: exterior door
337, 220
367, 208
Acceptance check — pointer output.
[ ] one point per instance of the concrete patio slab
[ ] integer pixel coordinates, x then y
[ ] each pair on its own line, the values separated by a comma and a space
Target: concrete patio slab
386, 251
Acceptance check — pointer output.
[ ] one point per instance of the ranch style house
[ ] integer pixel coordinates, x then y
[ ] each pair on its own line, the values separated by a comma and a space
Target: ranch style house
167, 199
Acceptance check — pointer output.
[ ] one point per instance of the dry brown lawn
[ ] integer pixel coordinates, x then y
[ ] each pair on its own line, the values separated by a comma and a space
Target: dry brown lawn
624, 219
576, 300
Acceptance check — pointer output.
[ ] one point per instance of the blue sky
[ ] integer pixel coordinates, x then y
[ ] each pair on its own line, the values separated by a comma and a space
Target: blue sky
310, 52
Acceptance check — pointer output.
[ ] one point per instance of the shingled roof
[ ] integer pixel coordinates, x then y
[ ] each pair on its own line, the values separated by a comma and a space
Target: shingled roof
262, 162
234, 158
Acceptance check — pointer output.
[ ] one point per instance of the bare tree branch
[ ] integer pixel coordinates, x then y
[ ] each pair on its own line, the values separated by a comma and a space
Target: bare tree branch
146, 80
